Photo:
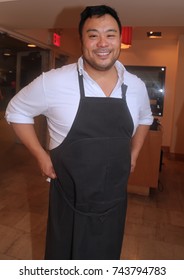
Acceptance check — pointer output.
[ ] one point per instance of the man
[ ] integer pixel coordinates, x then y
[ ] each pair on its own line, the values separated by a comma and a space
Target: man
98, 115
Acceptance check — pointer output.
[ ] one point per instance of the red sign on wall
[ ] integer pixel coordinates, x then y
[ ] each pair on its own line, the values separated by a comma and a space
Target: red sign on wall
56, 40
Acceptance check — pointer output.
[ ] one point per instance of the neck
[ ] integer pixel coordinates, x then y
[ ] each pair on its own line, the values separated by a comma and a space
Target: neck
106, 79
96, 74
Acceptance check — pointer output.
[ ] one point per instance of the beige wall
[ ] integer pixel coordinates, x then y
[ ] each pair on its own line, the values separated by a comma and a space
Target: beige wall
177, 140
156, 52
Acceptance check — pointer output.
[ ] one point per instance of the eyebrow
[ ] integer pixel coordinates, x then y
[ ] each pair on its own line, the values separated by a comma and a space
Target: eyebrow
95, 30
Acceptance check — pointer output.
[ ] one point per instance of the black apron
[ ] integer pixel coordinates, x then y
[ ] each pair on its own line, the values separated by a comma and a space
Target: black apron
88, 200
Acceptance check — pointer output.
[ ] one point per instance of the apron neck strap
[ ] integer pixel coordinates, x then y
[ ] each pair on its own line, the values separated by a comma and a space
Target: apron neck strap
123, 90
81, 85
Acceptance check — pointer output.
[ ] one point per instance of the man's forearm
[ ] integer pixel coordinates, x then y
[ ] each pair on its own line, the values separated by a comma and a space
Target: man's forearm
26, 133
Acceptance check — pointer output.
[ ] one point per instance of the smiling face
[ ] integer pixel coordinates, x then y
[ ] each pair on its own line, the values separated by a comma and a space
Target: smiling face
101, 42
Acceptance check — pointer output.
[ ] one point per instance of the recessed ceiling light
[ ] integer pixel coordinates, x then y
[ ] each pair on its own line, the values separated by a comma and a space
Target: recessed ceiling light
154, 34
31, 45
7, 52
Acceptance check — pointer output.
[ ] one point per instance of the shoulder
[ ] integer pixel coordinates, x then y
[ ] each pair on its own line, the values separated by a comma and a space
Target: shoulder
132, 81
136, 87
63, 74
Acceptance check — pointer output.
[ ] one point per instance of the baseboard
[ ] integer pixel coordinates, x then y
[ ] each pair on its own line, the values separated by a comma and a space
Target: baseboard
170, 155
138, 190
176, 156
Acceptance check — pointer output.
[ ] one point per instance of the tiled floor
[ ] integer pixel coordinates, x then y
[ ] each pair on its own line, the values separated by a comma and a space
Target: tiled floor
155, 224
154, 228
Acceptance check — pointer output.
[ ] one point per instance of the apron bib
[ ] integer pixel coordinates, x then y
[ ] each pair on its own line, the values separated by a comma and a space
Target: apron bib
88, 199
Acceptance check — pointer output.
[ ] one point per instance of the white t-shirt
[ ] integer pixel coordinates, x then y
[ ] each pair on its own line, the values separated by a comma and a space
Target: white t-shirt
56, 95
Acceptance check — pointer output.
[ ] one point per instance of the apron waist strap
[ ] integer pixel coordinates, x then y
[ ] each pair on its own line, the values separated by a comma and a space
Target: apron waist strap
89, 214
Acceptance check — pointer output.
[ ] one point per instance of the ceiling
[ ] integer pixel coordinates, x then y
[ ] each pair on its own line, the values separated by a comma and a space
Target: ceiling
18, 14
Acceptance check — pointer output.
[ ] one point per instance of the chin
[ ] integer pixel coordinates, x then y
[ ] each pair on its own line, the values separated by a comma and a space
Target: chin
104, 67
100, 66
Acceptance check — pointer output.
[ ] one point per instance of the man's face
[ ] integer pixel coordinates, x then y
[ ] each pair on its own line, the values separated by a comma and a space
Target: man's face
101, 42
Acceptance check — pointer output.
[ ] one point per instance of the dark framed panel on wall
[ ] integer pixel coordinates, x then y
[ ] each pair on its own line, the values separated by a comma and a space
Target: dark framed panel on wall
154, 79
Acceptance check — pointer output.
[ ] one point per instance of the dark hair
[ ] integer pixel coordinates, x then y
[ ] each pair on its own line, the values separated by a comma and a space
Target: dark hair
99, 11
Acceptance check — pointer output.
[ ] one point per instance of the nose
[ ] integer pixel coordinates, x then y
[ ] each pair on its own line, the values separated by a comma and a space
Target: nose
102, 42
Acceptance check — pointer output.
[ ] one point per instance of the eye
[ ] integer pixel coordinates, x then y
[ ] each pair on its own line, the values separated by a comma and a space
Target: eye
111, 36
93, 36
